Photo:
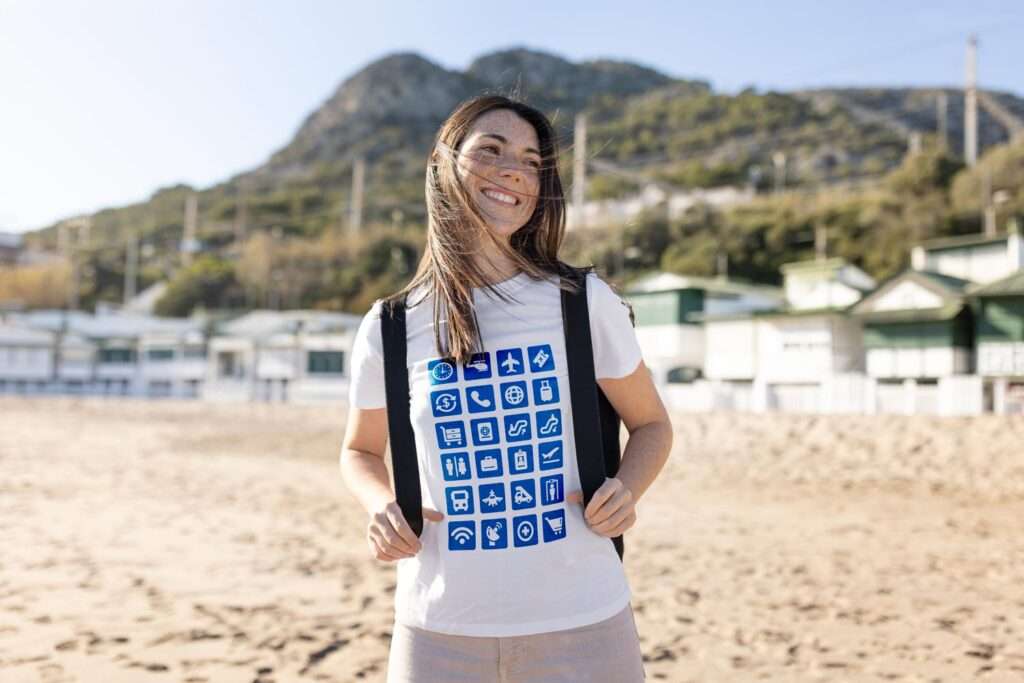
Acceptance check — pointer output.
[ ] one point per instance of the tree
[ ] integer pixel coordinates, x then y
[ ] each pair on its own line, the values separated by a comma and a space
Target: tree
209, 282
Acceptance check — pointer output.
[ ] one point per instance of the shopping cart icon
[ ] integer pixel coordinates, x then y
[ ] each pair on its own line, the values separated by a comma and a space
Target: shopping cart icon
556, 525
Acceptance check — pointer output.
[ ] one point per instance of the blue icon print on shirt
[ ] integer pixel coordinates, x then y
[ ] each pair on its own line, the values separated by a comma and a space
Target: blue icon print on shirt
495, 534
480, 399
460, 500
510, 362
554, 525
549, 423
485, 430
445, 403
455, 466
541, 359
513, 395
488, 463
461, 536
442, 371
549, 455
478, 367
545, 391
524, 530
551, 490
520, 459
517, 427
450, 435
492, 498
524, 494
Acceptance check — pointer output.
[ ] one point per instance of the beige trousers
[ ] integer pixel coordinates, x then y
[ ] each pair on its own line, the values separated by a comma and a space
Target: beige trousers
605, 652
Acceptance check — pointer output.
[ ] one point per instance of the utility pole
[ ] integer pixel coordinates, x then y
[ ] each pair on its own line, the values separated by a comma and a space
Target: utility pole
131, 267
241, 220
191, 217
355, 218
942, 118
820, 242
779, 162
988, 205
70, 246
722, 265
971, 103
579, 169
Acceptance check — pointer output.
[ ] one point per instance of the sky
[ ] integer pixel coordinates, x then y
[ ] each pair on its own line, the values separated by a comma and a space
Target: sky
104, 101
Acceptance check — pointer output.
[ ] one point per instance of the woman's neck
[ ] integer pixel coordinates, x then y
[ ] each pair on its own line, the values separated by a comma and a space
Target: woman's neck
494, 264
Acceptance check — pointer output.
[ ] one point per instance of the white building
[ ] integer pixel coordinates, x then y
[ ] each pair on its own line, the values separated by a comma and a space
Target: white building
615, 212
103, 353
978, 258
26, 359
668, 308
281, 356
798, 357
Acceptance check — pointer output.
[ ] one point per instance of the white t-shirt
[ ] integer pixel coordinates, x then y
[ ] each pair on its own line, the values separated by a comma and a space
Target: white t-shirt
496, 451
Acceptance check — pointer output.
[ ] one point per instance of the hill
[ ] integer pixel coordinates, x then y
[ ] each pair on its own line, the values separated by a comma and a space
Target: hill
644, 125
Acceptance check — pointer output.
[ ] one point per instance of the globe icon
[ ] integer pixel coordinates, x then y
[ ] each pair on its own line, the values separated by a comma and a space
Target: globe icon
514, 395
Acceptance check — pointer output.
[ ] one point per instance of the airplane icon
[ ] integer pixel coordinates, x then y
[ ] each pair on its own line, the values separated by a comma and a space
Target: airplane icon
510, 364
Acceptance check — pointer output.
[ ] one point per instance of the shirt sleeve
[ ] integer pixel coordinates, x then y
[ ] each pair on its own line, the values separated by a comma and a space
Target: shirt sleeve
366, 385
616, 350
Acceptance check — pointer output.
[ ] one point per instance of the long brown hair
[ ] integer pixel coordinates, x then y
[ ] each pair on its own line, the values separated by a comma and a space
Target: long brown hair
455, 226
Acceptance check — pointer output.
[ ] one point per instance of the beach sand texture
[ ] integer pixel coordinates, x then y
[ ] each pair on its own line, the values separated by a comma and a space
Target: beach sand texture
184, 541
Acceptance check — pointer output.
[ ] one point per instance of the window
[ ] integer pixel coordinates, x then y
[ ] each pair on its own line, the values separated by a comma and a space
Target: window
683, 375
325, 362
115, 355
195, 352
158, 355
228, 365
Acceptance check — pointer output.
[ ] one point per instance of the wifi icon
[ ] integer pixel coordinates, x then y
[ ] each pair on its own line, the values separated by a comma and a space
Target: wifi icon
461, 536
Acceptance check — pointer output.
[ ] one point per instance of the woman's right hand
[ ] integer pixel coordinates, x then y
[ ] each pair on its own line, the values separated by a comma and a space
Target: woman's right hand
390, 537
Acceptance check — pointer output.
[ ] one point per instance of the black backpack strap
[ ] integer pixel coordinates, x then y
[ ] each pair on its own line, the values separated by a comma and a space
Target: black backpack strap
594, 420
404, 465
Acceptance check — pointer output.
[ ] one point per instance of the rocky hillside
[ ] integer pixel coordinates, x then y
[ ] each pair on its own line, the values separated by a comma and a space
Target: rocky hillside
644, 126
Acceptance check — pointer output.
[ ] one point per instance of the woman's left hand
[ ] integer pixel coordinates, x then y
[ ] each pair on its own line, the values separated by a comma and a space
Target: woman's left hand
611, 511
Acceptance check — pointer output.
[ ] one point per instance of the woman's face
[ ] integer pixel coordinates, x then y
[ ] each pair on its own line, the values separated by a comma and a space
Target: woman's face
499, 165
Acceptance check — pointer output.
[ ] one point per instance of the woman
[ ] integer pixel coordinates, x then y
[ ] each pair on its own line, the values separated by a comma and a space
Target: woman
511, 579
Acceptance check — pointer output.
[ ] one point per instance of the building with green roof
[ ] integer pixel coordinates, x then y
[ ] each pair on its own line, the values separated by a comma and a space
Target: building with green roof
999, 330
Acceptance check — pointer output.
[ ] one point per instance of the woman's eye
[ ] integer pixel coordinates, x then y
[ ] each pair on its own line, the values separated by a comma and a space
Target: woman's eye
489, 149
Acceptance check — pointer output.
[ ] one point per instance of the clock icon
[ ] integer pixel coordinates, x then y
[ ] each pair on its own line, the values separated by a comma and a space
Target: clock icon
442, 371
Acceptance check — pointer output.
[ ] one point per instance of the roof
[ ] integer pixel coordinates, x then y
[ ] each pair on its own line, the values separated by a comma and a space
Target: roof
106, 325
829, 264
953, 284
1011, 285
950, 289
19, 335
11, 240
947, 312
145, 301
772, 313
261, 324
843, 271
961, 241
663, 282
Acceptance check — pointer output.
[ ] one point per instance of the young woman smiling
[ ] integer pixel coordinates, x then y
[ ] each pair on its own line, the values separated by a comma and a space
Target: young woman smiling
511, 579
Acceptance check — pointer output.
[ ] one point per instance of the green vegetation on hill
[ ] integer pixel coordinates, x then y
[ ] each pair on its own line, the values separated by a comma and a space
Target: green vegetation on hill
275, 235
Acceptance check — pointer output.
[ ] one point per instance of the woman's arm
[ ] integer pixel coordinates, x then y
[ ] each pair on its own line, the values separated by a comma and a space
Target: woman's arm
612, 510
388, 534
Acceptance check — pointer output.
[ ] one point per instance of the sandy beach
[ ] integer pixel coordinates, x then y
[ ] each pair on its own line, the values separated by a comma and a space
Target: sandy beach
185, 541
